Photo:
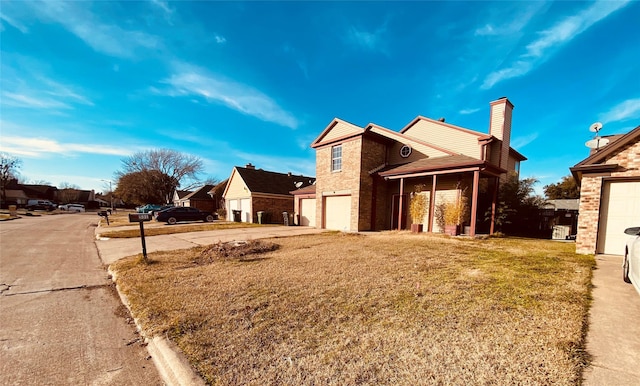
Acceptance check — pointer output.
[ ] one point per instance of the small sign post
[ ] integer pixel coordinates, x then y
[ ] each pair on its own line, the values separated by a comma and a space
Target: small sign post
141, 218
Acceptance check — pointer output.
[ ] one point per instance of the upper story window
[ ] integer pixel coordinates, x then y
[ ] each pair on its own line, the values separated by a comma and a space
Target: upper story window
336, 158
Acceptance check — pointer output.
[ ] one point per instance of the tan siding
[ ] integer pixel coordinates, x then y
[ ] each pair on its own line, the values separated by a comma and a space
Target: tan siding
236, 188
457, 141
341, 129
497, 120
418, 151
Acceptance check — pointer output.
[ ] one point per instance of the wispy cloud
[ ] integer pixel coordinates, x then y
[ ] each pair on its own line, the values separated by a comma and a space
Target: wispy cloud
519, 17
367, 40
629, 109
220, 39
522, 141
106, 38
13, 22
193, 81
39, 147
469, 111
41, 93
550, 40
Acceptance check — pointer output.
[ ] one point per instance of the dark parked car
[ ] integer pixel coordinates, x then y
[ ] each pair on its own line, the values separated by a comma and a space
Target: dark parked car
179, 213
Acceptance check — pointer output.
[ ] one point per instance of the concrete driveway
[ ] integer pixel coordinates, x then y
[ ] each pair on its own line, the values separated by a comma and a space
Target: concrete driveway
613, 339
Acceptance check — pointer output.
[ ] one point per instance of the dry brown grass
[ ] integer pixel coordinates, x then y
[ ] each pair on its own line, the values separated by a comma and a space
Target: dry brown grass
342, 309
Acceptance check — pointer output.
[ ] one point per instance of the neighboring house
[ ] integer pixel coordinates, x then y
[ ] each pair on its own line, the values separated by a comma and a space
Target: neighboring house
200, 199
609, 182
365, 174
252, 190
561, 216
216, 194
178, 197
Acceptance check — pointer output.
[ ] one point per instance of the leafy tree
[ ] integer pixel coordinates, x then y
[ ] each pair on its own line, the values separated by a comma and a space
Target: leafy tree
9, 166
518, 207
153, 175
565, 189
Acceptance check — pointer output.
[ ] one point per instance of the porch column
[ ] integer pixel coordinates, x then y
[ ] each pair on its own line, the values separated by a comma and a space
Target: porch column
432, 203
474, 202
494, 203
400, 204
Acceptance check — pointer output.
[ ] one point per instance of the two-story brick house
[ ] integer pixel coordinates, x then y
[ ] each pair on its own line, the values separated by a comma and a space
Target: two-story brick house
364, 174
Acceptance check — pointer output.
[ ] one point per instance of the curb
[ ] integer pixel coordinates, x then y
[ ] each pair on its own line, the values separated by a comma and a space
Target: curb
172, 364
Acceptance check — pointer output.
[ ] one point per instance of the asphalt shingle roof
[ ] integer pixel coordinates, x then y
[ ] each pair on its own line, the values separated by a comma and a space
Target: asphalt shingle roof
262, 181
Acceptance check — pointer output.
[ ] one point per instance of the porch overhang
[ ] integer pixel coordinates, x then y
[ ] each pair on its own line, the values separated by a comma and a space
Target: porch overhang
441, 165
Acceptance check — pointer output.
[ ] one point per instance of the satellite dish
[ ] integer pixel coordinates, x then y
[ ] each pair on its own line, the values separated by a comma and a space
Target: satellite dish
594, 128
597, 143
298, 184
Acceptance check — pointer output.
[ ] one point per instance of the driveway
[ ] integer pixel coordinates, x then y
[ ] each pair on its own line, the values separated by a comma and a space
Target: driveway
613, 338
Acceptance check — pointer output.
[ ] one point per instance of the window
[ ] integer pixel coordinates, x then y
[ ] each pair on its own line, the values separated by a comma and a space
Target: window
336, 158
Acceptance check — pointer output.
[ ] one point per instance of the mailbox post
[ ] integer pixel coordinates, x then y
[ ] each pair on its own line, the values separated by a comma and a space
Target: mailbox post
141, 218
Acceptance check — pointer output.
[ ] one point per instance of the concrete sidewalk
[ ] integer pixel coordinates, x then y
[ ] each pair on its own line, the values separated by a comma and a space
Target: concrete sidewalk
112, 250
613, 339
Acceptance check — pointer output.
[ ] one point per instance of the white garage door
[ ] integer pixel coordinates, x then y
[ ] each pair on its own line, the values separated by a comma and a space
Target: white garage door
308, 212
245, 207
337, 213
620, 209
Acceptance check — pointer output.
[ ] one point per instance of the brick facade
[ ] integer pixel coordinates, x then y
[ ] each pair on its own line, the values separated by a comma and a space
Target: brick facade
273, 206
628, 161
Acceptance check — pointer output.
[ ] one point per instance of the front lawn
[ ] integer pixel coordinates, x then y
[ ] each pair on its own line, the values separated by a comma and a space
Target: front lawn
386, 308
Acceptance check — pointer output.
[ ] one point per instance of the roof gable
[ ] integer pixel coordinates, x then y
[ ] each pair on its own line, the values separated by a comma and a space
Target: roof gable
199, 194
337, 130
262, 181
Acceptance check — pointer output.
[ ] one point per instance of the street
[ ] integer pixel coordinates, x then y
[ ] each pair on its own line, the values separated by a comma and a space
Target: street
62, 322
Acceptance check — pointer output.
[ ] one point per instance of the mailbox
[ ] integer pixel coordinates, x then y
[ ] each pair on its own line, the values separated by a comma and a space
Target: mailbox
139, 217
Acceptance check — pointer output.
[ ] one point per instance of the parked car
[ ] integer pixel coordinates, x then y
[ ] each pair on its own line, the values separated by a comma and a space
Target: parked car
179, 213
40, 205
631, 261
148, 208
75, 208
155, 211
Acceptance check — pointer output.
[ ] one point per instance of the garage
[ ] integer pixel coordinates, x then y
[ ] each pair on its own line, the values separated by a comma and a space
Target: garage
337, 213
620, 209
245, 207
308, 212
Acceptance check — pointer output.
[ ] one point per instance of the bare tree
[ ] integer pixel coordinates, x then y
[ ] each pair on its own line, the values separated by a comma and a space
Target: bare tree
8, 170
170, 169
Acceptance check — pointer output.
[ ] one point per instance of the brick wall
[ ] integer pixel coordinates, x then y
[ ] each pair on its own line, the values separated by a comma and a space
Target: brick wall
628, 160
373, 155
274, 206
346, 180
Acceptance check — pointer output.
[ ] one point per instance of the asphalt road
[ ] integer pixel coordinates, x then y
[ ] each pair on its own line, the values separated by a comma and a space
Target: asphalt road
61, 321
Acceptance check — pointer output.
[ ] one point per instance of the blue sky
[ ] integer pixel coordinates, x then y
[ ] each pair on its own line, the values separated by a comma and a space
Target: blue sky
85, 84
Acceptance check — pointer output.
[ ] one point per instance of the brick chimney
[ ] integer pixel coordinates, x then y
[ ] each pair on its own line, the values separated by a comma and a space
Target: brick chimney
500, 127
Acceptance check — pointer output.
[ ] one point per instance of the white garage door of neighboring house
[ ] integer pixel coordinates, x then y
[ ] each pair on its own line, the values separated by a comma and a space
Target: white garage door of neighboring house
245, 207
233, 205
620, 209
308, 212
337, 213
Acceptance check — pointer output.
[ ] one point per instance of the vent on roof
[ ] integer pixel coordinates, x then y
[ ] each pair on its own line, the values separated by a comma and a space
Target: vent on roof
289, 174
441, 119
250, 166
